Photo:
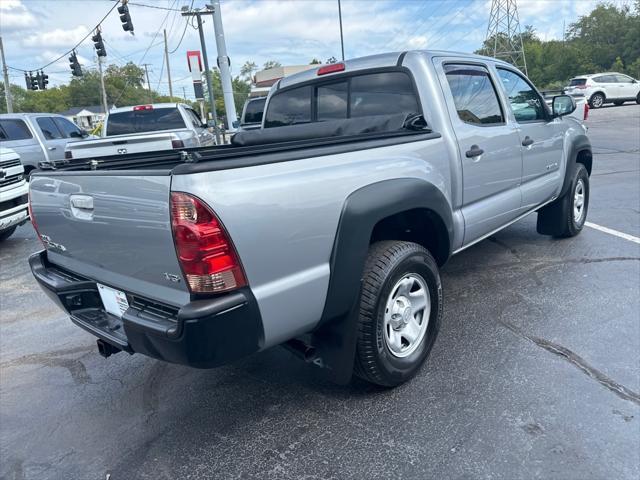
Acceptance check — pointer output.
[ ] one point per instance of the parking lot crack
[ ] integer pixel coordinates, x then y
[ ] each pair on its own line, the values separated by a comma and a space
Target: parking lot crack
578, 362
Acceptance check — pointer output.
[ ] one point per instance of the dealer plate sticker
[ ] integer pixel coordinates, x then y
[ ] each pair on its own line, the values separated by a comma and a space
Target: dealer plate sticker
114, 301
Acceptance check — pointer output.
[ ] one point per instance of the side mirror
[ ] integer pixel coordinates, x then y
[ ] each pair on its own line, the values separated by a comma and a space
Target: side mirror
79, 134
562, 105
210, 124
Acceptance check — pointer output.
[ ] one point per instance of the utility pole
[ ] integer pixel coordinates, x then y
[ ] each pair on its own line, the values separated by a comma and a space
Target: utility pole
146, 72
341, 38
104, 92
184, 94
7, 85
198, 14
223, 65
166, 60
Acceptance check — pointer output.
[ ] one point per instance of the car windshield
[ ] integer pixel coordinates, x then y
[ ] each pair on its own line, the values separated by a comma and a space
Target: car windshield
140, 121
577, 81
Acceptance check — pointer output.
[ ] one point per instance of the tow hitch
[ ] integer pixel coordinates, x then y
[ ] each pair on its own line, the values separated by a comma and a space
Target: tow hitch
106, 349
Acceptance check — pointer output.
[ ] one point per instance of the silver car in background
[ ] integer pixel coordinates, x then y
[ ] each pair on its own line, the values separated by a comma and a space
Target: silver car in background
38, 137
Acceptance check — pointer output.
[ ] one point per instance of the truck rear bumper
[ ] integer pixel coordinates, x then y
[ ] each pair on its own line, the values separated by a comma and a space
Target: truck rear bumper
203, 333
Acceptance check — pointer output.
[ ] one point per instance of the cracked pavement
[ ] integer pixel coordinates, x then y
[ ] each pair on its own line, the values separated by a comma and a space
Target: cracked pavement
536, 373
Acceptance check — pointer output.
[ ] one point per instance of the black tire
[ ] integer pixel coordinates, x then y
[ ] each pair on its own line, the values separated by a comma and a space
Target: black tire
7, 233
557, 219
638, 99
387, 263
596, 100
617, 103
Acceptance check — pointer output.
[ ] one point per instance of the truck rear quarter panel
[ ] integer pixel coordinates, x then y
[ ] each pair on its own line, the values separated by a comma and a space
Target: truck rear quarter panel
283, 219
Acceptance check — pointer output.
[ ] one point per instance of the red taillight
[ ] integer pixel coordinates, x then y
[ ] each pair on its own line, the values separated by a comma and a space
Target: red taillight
137, 108
586, 111
32, 218
177, 144
207, 256
334, 67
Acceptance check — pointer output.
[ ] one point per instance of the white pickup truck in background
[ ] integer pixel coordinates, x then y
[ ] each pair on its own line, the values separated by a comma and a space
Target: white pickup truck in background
145, 128
13, 193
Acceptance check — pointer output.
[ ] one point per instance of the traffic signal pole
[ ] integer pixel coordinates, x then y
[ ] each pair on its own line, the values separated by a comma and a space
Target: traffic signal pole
7, 85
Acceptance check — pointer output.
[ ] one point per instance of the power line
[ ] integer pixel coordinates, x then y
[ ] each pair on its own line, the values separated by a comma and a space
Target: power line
74, 47
187, 20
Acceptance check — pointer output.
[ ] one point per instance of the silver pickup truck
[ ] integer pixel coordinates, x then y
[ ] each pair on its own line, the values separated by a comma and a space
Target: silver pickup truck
324, 230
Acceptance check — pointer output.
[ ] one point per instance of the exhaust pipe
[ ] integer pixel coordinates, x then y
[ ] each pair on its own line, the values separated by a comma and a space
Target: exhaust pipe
106, 349
301, 349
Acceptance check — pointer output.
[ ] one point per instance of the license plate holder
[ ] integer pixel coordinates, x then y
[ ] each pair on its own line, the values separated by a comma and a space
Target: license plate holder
114, 301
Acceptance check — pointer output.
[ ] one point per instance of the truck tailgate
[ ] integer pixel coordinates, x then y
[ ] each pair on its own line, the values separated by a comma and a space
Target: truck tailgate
112, 227
120, 145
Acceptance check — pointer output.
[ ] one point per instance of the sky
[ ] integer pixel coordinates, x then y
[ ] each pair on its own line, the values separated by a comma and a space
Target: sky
35, 32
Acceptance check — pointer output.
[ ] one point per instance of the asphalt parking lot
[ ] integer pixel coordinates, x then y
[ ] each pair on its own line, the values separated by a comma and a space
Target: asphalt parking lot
536, 373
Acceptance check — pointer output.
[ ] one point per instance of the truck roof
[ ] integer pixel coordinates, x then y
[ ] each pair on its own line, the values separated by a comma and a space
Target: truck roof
373, 61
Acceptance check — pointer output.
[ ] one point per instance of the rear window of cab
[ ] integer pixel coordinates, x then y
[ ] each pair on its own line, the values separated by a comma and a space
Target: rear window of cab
144, 120
380, 93
577, 81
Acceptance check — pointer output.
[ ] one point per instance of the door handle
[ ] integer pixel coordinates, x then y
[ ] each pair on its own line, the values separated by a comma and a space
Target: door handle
475, 151
527, 141
51, 148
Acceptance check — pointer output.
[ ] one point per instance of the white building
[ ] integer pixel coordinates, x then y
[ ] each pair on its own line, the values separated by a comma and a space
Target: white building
85, 117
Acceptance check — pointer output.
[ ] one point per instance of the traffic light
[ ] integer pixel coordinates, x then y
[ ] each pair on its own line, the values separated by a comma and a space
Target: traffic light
32, 82
99, 44
42, 79
76, 70
27, 81
125, 17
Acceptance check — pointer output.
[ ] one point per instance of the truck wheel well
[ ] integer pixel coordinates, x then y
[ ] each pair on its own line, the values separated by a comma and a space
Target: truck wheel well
585, 157
419, 225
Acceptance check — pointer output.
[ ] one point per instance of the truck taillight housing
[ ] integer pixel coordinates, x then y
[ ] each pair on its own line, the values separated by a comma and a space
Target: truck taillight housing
206, 254
586, 111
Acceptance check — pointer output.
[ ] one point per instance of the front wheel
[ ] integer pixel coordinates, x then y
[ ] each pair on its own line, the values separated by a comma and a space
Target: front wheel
400, 312
566, 216
596, 100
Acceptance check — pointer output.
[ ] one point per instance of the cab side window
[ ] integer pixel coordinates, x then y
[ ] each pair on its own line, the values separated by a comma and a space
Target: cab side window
474, 95
526, 104
49, 129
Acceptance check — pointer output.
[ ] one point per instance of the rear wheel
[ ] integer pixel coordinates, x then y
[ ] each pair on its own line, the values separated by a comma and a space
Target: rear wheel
638, 98
566, 216
596, 100
400, 312
7, 233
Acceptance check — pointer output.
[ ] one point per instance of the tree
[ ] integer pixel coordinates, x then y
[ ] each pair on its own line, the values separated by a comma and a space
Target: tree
246, 71
315, 61
332, 60
271, 64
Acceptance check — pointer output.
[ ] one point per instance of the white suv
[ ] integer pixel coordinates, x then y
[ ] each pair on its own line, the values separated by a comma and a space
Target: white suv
601, 88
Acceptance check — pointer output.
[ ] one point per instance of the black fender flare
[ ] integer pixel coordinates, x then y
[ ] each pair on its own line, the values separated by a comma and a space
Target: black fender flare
336, 334
579, 143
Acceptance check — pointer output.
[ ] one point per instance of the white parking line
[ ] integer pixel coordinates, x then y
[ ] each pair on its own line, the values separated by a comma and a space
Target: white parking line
611, 231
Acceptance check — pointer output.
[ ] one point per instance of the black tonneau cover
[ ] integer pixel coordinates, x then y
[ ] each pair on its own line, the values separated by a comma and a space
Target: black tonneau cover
337, 133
